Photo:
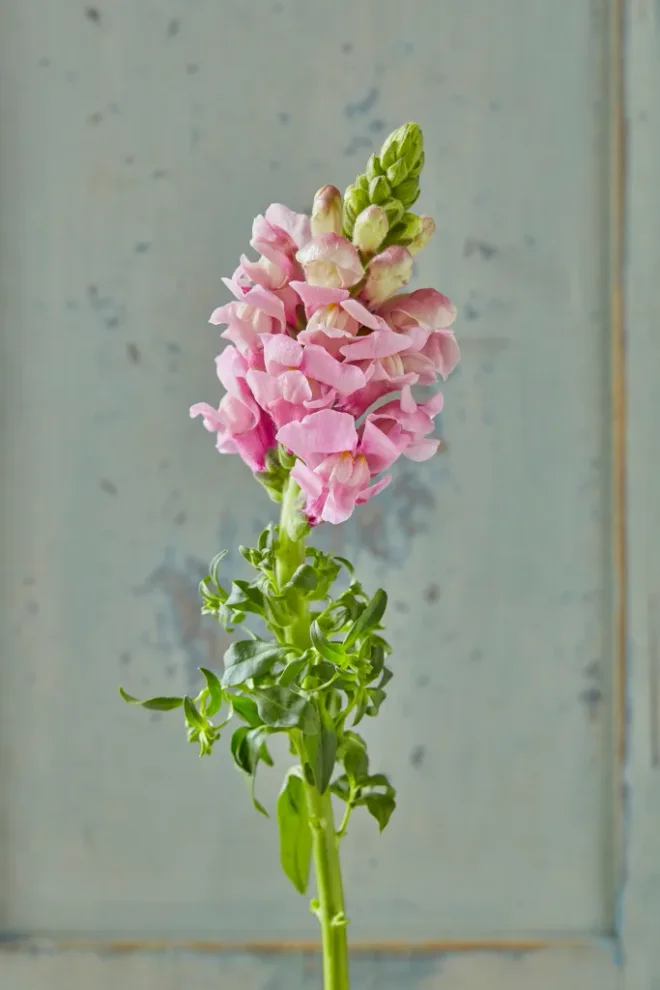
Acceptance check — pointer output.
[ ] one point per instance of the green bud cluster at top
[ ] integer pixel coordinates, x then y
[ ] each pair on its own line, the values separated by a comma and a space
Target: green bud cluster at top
391, 181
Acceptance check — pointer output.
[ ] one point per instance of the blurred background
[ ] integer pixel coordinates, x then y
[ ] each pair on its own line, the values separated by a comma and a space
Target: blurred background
137, 142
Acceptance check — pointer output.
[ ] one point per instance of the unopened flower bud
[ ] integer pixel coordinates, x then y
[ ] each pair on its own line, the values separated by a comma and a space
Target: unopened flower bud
398, 173
405, 143
355, 200
374, 168
327, 212
407, 229
424, 236
407, 192
379, 190
388, 272
394, 209
415, 171
370, 229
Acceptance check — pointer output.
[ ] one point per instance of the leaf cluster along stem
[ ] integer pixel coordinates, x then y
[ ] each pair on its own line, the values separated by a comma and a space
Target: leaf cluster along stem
329, 906
321, 664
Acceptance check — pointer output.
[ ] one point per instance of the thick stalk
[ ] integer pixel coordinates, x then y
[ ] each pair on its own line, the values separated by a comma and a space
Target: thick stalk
291, 554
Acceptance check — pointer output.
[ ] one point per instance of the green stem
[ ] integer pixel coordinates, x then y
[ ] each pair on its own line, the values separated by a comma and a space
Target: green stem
325, 842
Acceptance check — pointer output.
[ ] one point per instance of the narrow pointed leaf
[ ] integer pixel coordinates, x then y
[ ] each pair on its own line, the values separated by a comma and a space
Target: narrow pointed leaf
295, 832
368, 618
250, 658
214, 703
154, 704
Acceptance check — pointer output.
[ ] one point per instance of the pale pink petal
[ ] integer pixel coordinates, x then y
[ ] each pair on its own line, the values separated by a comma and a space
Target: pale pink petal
374, 489
433, 405
282, 352
244, 337
324, 432
377, 344
211, 417
296, 225
421, 449
388, 272
442, 348
321, 366
427, 307
377, 448
223, 314
267, 302
264, 387
230, 366
331, 260
339, 504
295, 387
360, 313
308, 482
314, 296
264, 272
408, 403
237, 285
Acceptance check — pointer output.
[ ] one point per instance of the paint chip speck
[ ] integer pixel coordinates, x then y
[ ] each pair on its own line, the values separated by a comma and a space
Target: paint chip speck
133, 353
93, 14
173, 27
108, 486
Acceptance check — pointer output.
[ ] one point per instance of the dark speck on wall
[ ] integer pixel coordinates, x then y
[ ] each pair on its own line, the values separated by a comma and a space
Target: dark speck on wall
278, 7
483, 249
432, 593
93, 14
494, 106
173, 347
356, 144
173, 27
347, 47
142, 247
476, 655
125, 657
95, 118
470, 312
112, 322
43, 62
402, 607
417, 756
133, 353
360, 107
591, 699
530, 240
284, 117
108, 486
159, 173
180, 518
423, 681
377, 125
32, 607
192, 68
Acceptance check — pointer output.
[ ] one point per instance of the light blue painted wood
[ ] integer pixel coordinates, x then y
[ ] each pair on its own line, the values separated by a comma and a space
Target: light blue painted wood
139, 141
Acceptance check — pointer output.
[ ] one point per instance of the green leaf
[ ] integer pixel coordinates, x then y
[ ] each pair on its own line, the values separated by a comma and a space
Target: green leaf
246, 598
326, 753
193, 718
295, 831
354, 756
293, 669
346, 563
246, 709
341, 787
304, 577
376, 698
381, 807
214, 703
368, 618
248, 747
282, 708
250, 658
333, 652
154, 704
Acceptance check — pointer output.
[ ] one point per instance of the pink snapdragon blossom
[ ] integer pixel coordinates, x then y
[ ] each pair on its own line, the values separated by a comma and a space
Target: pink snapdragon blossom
317, 341
337, 462
241, 425
388, 272
330, 260
407, 424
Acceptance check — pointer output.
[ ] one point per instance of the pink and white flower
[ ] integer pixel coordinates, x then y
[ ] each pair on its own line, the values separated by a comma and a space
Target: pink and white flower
336, 462
331, 261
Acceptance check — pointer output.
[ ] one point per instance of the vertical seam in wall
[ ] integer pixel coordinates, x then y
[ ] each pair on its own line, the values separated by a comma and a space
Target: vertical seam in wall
616, 241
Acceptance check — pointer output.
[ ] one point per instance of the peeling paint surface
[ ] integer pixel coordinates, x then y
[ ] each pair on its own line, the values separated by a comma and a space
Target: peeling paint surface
500, 728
